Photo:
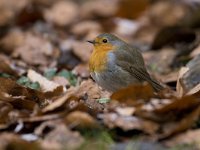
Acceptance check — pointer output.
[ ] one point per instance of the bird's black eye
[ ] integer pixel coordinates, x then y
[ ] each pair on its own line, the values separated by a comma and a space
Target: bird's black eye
105, 40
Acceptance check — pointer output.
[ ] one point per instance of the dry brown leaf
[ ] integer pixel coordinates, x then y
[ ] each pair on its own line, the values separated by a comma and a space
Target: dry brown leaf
94, 105
46, 85
182, 125
82, 70
35, 50
44, 2
82, 50
125, 111
132, 8
174, 110
52, 123
11, 92
14, 141
43, 117
160, 61
125, 27
62, 13
85, 27
16, 36
194, 90
190, 79
126, 123
167, 9
179, 87
89, 89
132, 93
167, 78
175, 117
6, 108
80, 119
62, 81
6, 66
182, 104
12, 89
9, 9
58, 102
189, 137
62, 138
195, 52
23, 104
101, 8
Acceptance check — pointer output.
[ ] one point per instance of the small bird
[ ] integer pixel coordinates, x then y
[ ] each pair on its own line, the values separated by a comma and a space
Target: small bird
114, 64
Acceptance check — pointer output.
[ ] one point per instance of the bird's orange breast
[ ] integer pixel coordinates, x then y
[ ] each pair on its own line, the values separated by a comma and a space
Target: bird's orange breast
98, 59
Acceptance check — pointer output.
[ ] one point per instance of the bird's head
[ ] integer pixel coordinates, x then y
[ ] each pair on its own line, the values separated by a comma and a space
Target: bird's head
106, 42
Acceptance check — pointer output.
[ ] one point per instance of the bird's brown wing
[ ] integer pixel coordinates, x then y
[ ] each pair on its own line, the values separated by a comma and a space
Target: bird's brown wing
140, 73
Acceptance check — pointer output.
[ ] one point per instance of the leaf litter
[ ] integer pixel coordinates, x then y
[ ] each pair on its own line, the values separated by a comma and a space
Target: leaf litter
48, 97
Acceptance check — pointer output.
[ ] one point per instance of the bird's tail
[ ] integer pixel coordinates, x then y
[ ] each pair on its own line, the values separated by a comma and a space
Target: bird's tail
156, 85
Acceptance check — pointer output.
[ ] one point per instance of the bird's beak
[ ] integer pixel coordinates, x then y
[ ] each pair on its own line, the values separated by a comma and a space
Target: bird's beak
91, 41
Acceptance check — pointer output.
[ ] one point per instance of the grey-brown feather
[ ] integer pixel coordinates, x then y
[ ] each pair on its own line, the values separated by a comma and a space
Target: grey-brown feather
125, 65
132, 61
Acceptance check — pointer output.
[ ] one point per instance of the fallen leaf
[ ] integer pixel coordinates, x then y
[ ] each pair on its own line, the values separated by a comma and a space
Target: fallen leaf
61, 138
125, 111
42, 118
89, 89
126, 27
16, 36
189, 137
85, 27
6, 108
172, 13
14, 141
195, 52
160, 61
132, 8
82, 50
126, 123
9, 10
95, 106
190, 79
11, 91
90, 9
39, 50
62, 13
62, 81
183, 124
58, 102
174, 117
179, 86
80, 119
172, 111
132, 93
23, 104
6, 66
194, 90
168, 78
173, 35
82, 70
47, 124
46, 85
67, 58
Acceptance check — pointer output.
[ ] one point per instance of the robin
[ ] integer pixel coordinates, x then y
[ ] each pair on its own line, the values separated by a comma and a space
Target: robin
114, 64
